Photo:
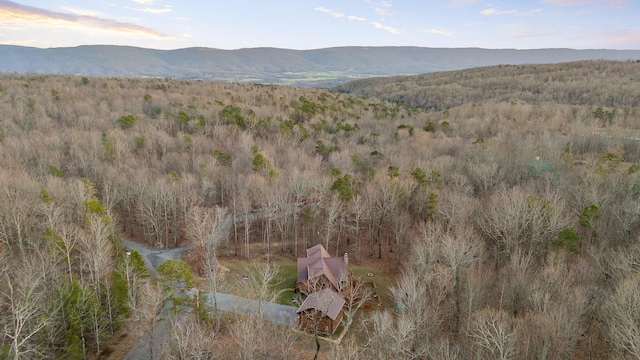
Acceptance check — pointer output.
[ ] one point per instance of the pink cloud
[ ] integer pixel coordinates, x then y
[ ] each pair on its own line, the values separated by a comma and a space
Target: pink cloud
33, 16
624, 37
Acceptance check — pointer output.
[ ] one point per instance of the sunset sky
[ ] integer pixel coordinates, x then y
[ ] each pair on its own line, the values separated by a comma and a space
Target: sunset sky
313, 24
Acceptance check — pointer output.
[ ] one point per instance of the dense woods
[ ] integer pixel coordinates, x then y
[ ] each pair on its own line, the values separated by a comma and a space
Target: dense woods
504, 200
595, 83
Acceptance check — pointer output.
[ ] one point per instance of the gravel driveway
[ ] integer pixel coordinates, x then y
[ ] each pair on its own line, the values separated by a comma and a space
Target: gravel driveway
277, 313
281, 314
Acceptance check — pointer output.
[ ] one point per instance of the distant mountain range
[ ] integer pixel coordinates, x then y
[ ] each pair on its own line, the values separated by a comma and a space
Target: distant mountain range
321, 67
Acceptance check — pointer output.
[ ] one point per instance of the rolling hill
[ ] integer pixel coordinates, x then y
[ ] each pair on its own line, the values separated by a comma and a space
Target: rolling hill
320, 67
594, 83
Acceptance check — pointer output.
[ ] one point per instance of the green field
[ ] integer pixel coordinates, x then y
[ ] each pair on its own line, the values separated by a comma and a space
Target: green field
304, 78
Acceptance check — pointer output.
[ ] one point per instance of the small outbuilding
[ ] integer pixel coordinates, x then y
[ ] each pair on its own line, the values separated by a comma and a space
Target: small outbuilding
321, 311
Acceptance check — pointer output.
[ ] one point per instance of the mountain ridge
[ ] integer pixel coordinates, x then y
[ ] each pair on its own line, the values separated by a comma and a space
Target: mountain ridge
316, 67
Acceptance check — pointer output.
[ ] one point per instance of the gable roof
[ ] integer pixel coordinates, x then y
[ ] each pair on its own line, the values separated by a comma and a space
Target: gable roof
327, 301
318, 262
317, 252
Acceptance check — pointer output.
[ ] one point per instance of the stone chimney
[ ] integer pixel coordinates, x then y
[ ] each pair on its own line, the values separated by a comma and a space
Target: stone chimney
346, 258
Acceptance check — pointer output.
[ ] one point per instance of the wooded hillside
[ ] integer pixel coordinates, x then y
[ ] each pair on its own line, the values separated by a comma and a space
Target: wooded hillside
595, 83
509, 217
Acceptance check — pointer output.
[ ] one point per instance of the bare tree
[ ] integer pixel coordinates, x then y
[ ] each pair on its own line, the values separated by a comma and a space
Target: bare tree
191, 340
420, 296
245, 195
244, 332
135, 285
459, 251
301, 189
504, 220
445, 350
515, 283
484, 176
188, 197
149, 208
348, 349
168, 191
477, 290
263, 277
153, 298
627, 214
96, 250
494, 332
383, 198
204, 225
548, 217
16, 221
356, 294
557, 309
396, 338
455, 208
333, 209
621, 314
64, 238
269, 211
284, 206
287, 338
210, 261
401, 224
23, 296
358, 211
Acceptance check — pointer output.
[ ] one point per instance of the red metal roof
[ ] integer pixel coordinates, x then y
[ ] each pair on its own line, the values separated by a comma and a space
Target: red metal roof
318, 262
327, 301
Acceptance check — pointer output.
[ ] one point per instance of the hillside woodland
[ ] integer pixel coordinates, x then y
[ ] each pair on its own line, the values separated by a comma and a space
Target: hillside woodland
602, 83
504, 199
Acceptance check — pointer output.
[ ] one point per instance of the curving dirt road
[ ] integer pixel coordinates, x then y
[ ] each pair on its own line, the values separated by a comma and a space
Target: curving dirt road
277, 313
154, 257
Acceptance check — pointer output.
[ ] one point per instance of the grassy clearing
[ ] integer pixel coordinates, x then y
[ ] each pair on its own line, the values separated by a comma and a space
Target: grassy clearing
282, 285
304, 78
284, 282
382, 279
317, 76
234, 269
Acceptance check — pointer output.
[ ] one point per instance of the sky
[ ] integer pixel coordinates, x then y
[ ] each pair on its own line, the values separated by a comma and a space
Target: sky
314, 24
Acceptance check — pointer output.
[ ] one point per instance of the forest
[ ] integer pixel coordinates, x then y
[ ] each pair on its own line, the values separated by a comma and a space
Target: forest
503, 201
